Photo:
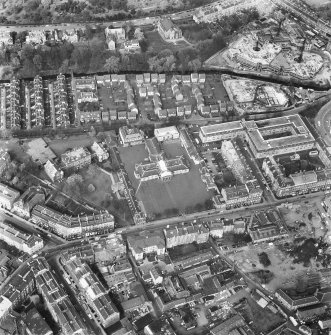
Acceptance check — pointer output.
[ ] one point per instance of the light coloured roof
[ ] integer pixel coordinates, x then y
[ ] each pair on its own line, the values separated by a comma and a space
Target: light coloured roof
221, 127
165, 131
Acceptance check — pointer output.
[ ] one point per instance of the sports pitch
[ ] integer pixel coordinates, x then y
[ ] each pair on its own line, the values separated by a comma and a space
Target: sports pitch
181, 192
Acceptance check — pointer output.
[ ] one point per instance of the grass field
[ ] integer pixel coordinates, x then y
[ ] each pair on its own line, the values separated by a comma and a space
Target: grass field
182, 191
61, 145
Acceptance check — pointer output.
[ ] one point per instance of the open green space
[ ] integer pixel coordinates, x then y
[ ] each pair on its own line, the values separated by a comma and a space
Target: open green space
182, 193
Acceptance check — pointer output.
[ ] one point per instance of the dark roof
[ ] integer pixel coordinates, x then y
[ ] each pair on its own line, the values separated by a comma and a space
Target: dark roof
144, 321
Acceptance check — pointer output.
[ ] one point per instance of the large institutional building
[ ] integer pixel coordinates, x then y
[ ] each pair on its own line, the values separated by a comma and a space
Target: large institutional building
270, 137
266, 139
159, 167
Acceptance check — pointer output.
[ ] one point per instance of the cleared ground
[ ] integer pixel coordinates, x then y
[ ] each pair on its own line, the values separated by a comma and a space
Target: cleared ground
282, 266
298, 217
182, 191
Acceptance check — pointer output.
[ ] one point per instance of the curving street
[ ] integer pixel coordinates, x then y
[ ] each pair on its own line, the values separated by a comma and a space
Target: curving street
322, 123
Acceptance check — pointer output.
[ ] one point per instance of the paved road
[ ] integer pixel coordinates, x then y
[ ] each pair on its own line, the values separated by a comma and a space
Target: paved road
242, 211
322, 123
145, 21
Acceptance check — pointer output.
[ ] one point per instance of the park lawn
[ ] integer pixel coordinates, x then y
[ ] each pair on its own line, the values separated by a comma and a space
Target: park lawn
103, 197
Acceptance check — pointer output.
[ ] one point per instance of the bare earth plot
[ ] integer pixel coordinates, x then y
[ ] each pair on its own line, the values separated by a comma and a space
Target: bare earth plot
297, 216
282, 266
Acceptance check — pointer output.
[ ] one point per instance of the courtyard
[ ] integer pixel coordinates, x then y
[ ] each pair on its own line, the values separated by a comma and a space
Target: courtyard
302, 162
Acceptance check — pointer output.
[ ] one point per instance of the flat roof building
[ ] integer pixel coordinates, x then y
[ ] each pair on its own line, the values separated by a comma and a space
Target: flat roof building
166, 133
221, 131
267, 138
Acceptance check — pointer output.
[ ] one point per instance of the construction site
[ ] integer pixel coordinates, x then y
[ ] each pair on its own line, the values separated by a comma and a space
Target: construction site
281, 47
253, 96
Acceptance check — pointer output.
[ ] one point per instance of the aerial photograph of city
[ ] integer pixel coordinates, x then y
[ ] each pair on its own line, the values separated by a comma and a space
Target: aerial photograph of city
165, 167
